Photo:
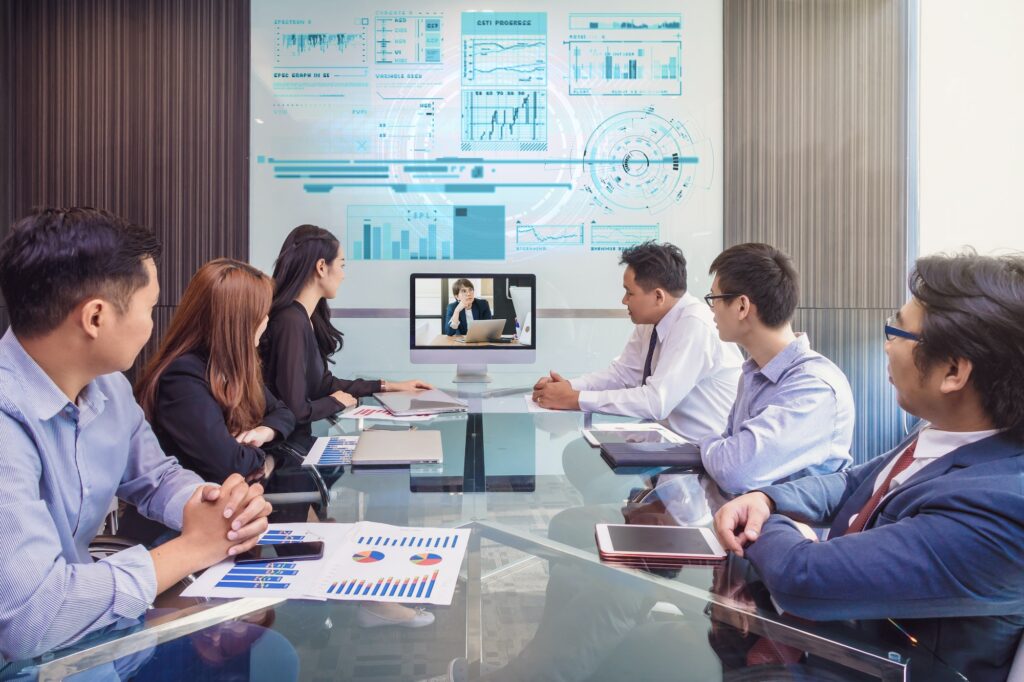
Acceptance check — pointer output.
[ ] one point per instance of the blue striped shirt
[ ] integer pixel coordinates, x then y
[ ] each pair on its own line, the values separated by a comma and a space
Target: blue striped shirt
792, 418
61, 465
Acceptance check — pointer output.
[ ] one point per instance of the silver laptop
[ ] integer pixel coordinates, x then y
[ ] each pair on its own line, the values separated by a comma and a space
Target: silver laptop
483, 330
433, 401
384, 448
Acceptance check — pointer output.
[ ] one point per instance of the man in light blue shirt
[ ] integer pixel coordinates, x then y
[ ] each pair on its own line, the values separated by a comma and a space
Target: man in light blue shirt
794, 411
80, 287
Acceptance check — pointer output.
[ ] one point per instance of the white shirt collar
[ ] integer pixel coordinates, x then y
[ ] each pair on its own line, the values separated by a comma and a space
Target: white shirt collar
666, 323
932, 443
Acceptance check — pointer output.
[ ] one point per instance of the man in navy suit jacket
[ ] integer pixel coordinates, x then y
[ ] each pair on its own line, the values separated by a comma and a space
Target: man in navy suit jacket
455, 319
930, 535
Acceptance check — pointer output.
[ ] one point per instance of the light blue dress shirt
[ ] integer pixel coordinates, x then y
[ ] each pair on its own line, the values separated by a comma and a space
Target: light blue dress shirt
792, 418
61, 465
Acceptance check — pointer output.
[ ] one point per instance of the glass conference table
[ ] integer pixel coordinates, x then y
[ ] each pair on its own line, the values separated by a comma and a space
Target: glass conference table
534, 602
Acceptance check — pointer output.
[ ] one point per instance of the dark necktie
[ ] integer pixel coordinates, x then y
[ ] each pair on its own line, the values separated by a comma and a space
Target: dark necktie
865, 512
650, 356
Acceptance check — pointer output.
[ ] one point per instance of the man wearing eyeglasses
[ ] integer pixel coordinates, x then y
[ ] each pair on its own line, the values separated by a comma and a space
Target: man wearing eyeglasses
925, 543
794, 410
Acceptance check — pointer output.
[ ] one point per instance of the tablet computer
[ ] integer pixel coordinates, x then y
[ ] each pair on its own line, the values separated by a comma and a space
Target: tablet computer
657, 542
623, 432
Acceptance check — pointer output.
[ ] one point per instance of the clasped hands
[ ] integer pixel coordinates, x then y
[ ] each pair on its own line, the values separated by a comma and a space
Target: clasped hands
225, 520
556, 393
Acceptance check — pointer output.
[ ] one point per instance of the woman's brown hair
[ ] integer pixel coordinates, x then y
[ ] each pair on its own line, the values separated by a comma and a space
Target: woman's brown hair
222, 308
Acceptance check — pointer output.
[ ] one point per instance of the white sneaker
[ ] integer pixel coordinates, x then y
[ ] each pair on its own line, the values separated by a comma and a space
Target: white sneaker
371, 619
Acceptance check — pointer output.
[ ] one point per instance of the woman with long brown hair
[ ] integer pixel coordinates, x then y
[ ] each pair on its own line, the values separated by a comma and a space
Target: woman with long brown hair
203, 391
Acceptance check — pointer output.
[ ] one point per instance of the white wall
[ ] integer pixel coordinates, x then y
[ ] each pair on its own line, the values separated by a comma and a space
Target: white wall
971, 125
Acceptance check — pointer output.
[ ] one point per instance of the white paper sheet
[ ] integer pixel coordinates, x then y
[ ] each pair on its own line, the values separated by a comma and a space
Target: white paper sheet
368, 412
386, 563
362, 561
287, 579
331, 451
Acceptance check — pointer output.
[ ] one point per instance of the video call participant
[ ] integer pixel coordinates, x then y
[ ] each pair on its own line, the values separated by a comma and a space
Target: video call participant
300, 338
80, 287
203, 390
794, 411
674, 367
931, 534
464, 309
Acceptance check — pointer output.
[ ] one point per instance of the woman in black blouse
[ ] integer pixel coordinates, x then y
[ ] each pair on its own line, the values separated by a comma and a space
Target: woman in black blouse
300, 337
299, 341
203, 391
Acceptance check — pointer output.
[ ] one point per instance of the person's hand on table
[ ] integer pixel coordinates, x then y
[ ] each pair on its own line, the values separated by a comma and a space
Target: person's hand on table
543, 381
738, 523
556, 393
241, 514
345, 399
257, 437
409, 385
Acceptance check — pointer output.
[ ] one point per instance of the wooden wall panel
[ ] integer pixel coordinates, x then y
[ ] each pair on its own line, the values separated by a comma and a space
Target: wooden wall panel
816, 163
137, 106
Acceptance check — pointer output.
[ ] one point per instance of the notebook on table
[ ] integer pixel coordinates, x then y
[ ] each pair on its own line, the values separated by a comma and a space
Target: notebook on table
685, 455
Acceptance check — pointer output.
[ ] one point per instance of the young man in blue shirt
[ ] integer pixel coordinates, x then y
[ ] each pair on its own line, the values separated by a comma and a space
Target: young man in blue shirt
931, 534
794, 410
80, 286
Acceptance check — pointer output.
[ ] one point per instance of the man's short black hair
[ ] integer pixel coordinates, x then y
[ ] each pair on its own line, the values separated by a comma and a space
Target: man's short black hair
657, 266
765, 275
55, 258
974, 309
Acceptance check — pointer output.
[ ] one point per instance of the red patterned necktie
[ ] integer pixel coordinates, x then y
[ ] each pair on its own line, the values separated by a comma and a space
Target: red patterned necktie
869, 507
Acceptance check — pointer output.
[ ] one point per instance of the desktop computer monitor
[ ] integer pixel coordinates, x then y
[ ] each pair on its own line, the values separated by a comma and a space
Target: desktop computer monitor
472, 319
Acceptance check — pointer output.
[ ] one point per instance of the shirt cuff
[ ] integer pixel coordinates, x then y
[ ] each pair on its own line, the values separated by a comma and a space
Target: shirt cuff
174, 512
134, 578
588, 401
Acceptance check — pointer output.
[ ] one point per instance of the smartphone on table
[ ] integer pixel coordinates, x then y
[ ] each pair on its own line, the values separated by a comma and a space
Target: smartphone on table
285, 551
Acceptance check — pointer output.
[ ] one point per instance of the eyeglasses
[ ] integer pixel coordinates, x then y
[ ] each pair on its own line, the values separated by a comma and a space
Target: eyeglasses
893, 332
710, 298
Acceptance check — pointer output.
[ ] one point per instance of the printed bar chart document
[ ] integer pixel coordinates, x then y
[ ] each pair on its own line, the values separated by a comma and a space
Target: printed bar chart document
362, 561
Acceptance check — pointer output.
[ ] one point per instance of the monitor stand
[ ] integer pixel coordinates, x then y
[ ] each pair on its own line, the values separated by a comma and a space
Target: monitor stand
471, 374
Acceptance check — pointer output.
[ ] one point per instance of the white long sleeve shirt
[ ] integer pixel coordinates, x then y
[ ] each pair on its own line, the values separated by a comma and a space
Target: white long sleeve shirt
694, 375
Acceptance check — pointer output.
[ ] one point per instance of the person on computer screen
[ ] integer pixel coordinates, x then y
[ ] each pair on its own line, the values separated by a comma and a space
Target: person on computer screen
674, 366
465, 308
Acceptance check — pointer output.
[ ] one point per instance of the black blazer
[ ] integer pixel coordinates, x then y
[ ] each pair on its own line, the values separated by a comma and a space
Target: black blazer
295, 370
190, 424
481, 311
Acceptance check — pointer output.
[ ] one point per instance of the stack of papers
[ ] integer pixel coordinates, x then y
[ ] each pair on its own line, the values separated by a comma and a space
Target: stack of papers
362, 561
368, 412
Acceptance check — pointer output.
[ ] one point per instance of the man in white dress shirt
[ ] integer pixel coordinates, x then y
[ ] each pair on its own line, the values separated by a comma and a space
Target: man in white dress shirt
674, 369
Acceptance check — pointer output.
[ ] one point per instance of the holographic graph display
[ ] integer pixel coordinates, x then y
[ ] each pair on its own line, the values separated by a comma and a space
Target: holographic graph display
504, 119
537, 133
407, 39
